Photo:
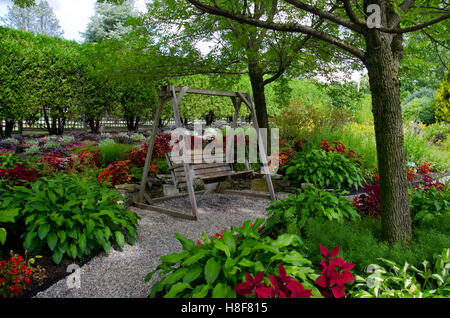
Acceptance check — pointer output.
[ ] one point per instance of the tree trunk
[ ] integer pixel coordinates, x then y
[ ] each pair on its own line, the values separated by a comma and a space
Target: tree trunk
259, 97
383, 64
9, 127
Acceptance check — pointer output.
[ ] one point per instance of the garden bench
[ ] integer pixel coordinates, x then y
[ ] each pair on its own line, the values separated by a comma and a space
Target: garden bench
208, 172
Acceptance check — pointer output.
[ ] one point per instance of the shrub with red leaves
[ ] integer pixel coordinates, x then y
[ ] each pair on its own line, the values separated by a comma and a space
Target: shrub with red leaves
89, 157
299, 145
369, 202
57, 162
14, 277
19, 175
137, 156
338, 147
424, 168
116, 172
282, 286
335, 274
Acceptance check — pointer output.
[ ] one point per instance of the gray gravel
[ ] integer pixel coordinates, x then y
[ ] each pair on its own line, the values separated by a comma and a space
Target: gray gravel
121, 273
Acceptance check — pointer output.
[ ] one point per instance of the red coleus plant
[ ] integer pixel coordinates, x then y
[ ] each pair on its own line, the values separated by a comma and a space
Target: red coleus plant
282, 286
338, 147
57, 162
19, 175
137, 155
14, 276
89, 157
299, 145
335, 274
369, 202
424, 168
116, 172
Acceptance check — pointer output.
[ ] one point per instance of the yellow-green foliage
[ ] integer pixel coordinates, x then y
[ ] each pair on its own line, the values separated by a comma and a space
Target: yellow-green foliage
442, 100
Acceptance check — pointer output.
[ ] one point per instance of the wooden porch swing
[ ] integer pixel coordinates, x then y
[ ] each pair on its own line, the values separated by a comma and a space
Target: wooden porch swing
187, 172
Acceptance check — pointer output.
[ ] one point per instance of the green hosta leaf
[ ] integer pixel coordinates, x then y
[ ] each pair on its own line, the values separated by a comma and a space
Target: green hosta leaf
201, 291
221, 246
176, 289
8, 215
52, 240
61, 235
186, 243
195, 258
120, 239
57, 256
212, 270
43, 230
174, 258
193, 273
223, 291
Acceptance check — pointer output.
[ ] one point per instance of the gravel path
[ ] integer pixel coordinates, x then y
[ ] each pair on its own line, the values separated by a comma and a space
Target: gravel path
121, 273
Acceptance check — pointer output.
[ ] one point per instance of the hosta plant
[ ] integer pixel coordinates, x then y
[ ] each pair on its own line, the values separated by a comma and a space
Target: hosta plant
72, 217
290, 214
387, 279
325, 169
215, 267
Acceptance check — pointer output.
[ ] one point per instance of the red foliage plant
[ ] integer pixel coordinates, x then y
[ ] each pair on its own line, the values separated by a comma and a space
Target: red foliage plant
137, 156
89, 157
299, 145
57, 162
424, 168
14, 276
338, 147
19, 175
335, 274
369, 202
282, 286
116, 172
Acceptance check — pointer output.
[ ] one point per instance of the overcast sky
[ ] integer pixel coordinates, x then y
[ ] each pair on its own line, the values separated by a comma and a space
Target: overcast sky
73, 15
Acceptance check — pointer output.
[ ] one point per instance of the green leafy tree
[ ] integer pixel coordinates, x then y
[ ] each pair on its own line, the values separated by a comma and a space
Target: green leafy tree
442, 100
16, 76
109, 21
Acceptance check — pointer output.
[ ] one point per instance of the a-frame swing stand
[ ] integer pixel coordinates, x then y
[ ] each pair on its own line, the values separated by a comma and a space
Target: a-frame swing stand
175, 94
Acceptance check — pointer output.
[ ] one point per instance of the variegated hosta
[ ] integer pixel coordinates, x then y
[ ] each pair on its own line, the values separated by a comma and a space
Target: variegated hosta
389, 280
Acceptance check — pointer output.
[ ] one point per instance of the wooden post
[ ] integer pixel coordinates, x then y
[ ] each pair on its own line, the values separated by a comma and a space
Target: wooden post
148, 159
262, 151
188, 172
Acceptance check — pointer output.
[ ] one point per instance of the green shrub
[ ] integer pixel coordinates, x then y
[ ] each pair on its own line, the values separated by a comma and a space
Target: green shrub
389, 280
72, 217
290, 214
214, 268
437, 133
299, 120
428, 203
420, 109
423, 92
325, 169
419, 151
442, 100
111, 151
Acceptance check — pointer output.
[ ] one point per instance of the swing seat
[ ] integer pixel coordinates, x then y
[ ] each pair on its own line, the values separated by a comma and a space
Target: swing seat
207, 172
